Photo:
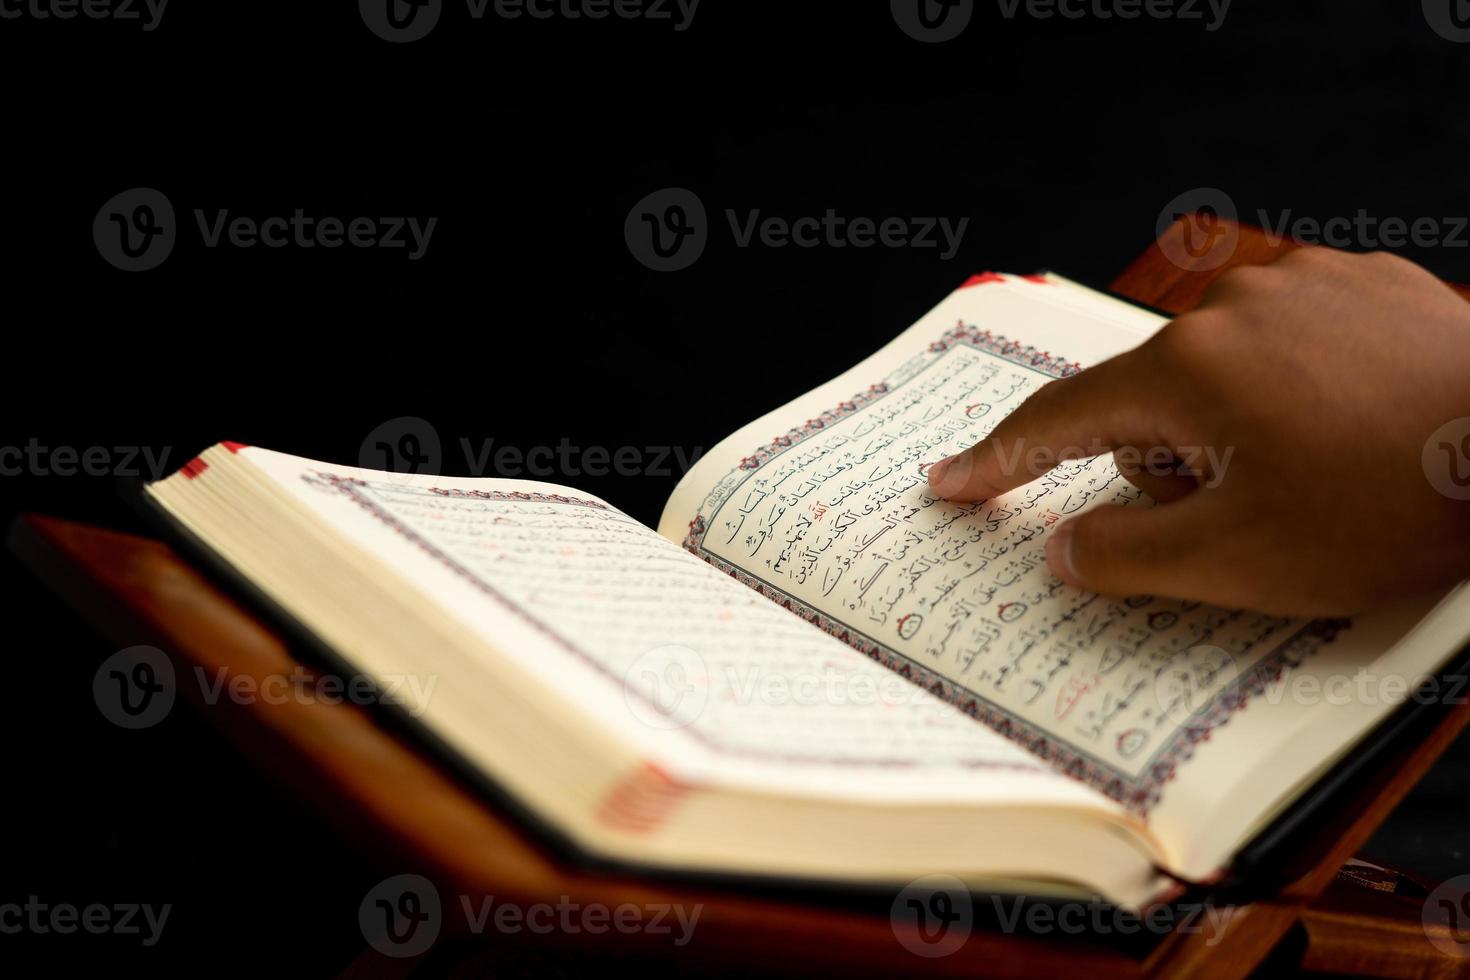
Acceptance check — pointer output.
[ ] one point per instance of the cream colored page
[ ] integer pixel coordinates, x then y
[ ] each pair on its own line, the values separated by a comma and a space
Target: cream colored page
1300, 721
705, 677
825, 502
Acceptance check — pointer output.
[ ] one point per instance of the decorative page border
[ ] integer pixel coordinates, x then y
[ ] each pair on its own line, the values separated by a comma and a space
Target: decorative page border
961, 334
1139, 793
350, 487
512, 497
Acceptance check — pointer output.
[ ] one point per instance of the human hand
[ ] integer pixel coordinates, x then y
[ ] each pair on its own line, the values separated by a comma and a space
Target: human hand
1314, 383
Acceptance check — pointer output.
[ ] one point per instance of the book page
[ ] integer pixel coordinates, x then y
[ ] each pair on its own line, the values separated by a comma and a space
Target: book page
824, 505
707, 679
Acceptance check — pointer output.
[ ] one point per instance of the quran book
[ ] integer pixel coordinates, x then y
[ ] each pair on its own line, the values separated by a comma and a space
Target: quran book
814, 669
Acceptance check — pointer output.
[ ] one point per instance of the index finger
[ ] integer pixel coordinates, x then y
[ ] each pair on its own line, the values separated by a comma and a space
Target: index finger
1106, 406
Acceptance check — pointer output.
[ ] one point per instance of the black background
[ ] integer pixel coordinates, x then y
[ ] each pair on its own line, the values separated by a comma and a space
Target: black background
528, 321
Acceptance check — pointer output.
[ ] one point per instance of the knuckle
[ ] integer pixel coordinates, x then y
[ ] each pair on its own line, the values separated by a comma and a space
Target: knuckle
1309, 256
1390, 264
1333, 267
1239, 285
1180, 340
1245, 278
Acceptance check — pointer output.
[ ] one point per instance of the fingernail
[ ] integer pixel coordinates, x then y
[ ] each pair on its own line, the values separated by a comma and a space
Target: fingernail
1059, 555
949, 476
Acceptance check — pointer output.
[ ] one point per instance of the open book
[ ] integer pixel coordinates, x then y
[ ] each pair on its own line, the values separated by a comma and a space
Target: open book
814, 669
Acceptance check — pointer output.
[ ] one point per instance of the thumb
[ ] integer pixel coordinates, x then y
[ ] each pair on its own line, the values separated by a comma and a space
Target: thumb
1132, 550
